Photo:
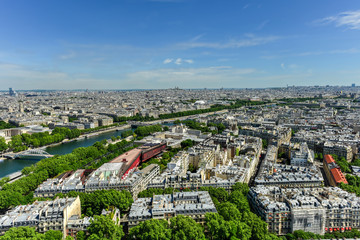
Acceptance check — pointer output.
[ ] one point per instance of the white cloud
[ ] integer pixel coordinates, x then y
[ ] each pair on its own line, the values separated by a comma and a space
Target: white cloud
190, 61
178, 61
248, 41
349, 19
168, 60
289, 66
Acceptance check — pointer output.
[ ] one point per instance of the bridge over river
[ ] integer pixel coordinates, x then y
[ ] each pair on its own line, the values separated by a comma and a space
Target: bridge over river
29, 154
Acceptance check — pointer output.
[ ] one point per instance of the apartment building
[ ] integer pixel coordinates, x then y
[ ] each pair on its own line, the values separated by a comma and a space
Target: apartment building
192, 204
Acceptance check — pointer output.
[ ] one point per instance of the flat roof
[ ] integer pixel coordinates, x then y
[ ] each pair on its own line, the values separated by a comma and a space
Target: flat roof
129, 156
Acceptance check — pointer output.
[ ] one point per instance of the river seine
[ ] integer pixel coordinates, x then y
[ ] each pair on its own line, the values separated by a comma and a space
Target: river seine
10, 166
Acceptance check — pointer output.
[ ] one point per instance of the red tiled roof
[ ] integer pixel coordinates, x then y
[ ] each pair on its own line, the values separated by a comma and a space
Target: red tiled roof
338, 176
329, 159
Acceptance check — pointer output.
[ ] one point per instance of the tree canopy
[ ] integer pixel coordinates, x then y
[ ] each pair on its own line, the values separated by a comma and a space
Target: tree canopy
22, 233
102, 227
151, 229
185, 228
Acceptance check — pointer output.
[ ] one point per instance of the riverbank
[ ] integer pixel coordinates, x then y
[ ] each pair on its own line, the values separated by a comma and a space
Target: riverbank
87, 135
11, 166
111, 129
14, 176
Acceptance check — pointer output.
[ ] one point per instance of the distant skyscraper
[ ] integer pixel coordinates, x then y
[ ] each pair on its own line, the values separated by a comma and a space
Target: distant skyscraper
353, 85
12, 92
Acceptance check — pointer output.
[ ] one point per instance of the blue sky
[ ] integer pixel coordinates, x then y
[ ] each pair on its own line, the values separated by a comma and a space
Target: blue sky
147, 44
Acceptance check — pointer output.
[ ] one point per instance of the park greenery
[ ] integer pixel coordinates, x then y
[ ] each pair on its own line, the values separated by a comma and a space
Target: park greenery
126, 133
180, 227
294, 100
24, 141
23, 233
188, 143
72, 119
5, 125
344, 165
264, 143
353, 185
101, 228
3, 144
300, 234
147, 130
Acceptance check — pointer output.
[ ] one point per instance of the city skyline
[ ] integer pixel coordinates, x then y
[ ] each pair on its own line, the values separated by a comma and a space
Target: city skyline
159, 44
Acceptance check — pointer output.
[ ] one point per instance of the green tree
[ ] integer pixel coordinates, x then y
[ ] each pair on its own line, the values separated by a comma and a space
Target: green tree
102, 227
213, 224
228, 230
10, 198
126, 133
264, 143
53, 235
240, 201
81, 235
3, 145
16, 143
187, 143
151, 229
192, 168
258, 227
185, 228
93, 203
20, 233
4, 180
4, 125
218, 195
229, 211
242, 187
